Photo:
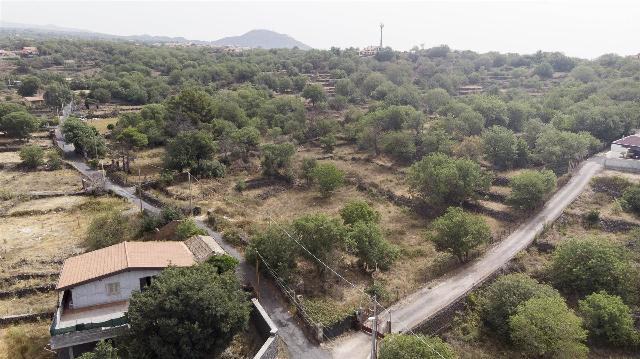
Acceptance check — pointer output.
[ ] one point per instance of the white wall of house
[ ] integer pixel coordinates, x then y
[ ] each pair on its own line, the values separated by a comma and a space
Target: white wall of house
95, 292
617, 151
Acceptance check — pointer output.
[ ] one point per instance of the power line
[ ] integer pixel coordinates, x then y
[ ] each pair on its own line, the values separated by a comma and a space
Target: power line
289, 291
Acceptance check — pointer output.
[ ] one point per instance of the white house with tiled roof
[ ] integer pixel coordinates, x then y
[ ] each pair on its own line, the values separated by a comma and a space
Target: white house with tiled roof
94, 288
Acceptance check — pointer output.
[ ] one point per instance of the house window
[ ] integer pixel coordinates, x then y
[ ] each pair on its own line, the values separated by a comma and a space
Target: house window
113, 288
145, 282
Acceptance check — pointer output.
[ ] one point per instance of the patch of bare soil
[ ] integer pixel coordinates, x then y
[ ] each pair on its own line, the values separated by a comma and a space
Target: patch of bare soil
15, 182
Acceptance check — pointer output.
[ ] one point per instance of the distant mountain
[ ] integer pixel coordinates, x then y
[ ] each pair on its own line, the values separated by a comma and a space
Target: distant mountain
265, 39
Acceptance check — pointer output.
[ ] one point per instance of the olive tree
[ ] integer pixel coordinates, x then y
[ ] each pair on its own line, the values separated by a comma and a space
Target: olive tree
530, 188
459, 232
608, 319
194, 302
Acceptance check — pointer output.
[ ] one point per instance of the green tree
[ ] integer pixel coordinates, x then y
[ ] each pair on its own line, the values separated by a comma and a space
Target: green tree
86, 139
276, 160
57, 95
18, 124
499, 300
459, 232
584, 73
54, 159
32, 156
129, 140
399, 145
276, 248
328, 177
101, 95
500, 146
103, 350
546, 327
308, 164
530, 188
29, 86
173, 308
608, 319
440, 179
544, 70
373, 250
592, 264
189, 149
9, 107
437, 99
188, 109
406, 346
321, 235
359, 211
492, 108
315, 93
557, 149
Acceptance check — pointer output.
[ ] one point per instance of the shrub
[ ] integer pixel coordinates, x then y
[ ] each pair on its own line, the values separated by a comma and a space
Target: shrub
32, 156
241, 185
499, 300
631, 199
276, 160
546, 327
592, 218
459, 232
171, 213
107, 229
232, 236
188, 228
592, 264
54, 160
607, 318
308, 165
209, 169
328, 143
166, 178
328, 177
223, 262
358, 210
614, 186
103, 350
406, 346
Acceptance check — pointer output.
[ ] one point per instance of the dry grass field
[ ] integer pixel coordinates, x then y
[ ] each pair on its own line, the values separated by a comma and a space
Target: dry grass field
15, 182
32, 338
101, 123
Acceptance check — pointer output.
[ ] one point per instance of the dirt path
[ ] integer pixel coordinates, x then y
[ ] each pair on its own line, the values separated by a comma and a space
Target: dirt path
423, 304
270, 297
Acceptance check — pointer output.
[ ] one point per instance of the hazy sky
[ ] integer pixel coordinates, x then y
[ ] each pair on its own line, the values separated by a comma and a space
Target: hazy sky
577, 28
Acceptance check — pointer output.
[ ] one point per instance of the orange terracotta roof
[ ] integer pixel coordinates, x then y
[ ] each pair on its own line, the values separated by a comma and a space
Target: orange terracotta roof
121, 257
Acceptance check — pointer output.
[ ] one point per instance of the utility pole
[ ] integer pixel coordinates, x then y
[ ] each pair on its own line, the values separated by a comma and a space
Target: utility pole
374, 328
190, 207
140, 189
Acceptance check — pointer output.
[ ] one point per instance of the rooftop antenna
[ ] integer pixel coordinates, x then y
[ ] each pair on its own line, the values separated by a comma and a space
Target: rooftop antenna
381, 26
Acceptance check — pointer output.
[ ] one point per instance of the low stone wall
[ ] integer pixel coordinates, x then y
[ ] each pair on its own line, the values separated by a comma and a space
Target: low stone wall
21, 292
26, 318
620, 164
267, 329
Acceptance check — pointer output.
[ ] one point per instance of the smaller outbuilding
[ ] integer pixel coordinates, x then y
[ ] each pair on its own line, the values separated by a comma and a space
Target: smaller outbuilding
627, 146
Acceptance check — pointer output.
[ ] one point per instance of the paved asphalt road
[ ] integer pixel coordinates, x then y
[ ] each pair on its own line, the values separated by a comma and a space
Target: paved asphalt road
421, 305
269, 296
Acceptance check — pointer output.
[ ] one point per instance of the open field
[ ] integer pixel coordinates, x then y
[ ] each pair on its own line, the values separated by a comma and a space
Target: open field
36, 335
101, 123
253, 209
15, 183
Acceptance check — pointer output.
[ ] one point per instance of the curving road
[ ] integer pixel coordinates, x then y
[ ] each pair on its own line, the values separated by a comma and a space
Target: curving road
423, 304
270, 298
409, 312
